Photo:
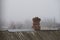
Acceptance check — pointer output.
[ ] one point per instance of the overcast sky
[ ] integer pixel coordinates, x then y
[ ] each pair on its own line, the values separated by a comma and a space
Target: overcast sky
20, 10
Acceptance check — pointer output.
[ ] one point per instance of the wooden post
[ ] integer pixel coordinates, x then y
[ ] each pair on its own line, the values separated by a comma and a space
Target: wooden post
36, 23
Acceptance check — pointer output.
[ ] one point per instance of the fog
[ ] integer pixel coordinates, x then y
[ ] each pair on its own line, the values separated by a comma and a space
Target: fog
20, 10
18, 14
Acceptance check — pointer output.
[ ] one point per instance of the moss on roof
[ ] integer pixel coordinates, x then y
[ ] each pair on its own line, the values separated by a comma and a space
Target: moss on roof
39, 35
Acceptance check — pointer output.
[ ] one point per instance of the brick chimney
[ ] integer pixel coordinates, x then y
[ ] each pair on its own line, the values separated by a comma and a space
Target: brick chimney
36, 23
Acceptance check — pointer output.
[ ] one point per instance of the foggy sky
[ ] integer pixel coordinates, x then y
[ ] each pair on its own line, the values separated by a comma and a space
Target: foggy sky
20, 10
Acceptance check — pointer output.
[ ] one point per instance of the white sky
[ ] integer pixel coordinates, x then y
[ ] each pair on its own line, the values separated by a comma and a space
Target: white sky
20, 10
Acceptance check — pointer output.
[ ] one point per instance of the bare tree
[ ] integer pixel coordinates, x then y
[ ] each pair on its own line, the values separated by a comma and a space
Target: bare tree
19, 25
12, 26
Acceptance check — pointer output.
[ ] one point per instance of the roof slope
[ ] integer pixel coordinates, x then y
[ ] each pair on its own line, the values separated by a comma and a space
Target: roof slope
39, 35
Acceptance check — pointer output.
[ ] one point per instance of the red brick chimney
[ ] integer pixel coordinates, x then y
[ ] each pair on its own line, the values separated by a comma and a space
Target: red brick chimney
36, 23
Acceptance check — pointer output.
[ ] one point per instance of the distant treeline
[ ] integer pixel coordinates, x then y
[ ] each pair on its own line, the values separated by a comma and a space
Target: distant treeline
46, 23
